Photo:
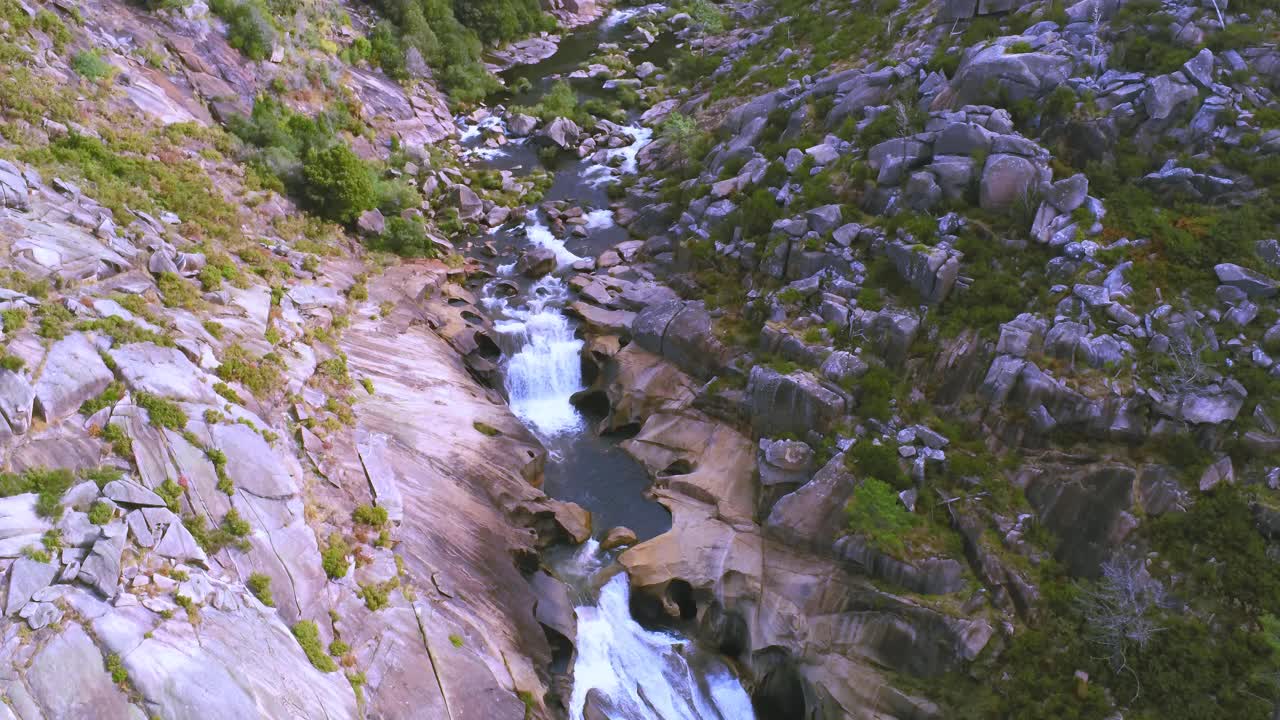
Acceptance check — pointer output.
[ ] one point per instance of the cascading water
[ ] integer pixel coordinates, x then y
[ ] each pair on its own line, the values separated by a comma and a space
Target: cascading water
646, 674
545, 367
639, 674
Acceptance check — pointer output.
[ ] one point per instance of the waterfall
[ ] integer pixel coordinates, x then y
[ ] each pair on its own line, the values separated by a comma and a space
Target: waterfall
545, 365
646, 674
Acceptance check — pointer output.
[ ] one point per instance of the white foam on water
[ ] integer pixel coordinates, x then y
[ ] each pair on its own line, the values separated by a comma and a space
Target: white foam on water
472, 132
545, 367
601, 219
539, 234
602, 173
617, 657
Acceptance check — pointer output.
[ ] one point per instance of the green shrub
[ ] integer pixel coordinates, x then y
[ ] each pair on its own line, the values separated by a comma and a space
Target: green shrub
121, 443
213, 540
407, 238
113, 394
102, 475
879, 461
49, 486
249, 28
876, 390
682, 133
115, 666
338, 184
260, 585
377, 596
171, 493
54, 321
1217, 543
12, 363
261, 376
89, 64
163, 413
100, 513
334, 556
308, 637
13, 320
235, 525
176, 292
371, 515
876, 512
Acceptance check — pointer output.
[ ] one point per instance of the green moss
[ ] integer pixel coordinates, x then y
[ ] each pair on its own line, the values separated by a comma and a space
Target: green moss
486, 429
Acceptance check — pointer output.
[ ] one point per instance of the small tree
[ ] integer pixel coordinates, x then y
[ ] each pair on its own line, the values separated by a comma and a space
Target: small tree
682, 133
1119, 611
338, 183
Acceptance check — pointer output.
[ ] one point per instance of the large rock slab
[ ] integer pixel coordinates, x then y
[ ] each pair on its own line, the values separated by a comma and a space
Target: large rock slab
26, 577
16, 401
1006, 181
73, 373
794, 403
163, 371
681, 332
68, 679
20, 527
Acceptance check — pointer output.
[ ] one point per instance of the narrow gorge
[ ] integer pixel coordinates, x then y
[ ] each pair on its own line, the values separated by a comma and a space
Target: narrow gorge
623, 360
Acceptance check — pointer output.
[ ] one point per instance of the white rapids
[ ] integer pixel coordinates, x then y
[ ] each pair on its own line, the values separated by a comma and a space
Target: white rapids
545, 366
644, 674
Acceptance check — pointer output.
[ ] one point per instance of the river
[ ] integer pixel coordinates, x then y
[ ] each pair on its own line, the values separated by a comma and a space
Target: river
636, 673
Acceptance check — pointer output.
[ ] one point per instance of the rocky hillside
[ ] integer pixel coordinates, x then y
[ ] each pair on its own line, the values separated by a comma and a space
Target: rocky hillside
947, 331
978, 347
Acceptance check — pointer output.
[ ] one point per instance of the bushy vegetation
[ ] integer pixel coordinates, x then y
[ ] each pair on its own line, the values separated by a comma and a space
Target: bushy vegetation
48, 485
334, 556
127, 169
876, 513
249, 27
450, 36
260, 585
371, 515
308, 637
163, 413
868, 459
261, 376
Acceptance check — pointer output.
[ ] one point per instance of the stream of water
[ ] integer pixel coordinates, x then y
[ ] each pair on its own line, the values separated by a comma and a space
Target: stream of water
640, 674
